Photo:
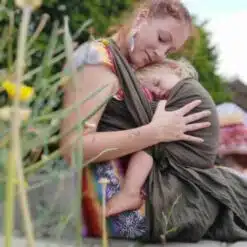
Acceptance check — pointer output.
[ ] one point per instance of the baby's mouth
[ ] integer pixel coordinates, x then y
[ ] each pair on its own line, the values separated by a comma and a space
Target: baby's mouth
159, 96
166, 94
163, 95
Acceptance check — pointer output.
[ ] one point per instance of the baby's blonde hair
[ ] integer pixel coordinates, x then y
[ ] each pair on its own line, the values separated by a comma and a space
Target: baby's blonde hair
182, 68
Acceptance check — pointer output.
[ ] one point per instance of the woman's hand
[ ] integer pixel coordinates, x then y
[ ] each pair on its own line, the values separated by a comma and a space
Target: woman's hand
173, 125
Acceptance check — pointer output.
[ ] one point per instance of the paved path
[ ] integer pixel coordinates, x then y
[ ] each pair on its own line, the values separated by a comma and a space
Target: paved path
19, 242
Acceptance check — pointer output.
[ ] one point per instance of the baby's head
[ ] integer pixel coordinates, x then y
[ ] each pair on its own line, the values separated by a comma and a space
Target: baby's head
161, 78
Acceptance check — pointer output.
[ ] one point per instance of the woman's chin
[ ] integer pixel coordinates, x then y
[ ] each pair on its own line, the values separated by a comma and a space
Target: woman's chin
137, 63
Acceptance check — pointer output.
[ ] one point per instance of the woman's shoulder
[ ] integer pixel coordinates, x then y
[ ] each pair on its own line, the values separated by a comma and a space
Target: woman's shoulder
93, 53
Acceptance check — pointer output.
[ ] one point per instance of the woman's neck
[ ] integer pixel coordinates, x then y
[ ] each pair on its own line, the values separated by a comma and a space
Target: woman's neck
120, 42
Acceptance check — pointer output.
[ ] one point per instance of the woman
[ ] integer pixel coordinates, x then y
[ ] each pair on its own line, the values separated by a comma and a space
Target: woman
157, 28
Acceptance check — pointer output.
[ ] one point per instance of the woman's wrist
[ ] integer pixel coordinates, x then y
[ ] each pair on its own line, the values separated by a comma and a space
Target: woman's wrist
152, 133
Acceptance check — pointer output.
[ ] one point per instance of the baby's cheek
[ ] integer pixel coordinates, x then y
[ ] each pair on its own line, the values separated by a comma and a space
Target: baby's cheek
148, 93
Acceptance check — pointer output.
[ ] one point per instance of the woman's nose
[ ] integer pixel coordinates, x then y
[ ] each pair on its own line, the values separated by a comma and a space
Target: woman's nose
162, 51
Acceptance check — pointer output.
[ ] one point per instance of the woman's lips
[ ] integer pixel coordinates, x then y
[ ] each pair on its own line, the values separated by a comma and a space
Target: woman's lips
149, 58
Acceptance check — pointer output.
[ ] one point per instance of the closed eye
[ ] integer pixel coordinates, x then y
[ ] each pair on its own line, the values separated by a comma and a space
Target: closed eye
164, 37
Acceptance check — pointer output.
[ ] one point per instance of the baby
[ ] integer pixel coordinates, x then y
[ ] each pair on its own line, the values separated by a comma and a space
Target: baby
159, 79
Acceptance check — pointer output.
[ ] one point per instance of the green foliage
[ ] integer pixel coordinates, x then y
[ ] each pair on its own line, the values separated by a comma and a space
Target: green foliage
203, 55
40, 153
102, 13
45, 57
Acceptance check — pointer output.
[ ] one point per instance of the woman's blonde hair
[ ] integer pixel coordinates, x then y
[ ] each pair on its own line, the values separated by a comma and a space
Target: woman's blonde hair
182, 68
156, 9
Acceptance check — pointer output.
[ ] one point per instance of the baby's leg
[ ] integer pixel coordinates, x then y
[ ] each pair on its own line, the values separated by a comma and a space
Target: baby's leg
129, 197
139, 167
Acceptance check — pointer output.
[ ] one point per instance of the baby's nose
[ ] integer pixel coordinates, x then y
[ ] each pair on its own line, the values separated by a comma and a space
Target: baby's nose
156, 90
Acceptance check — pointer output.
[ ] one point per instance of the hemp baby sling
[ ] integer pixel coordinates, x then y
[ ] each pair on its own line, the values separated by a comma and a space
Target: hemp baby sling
211, 201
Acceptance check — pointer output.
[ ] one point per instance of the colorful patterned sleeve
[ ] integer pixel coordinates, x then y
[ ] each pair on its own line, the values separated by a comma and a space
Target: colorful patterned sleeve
91, 53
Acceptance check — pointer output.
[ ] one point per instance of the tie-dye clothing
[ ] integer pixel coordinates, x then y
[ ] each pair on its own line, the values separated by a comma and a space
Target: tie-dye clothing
130, 224
233, 136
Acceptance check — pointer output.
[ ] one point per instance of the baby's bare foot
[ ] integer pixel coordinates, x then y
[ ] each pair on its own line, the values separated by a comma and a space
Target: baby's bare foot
123, 201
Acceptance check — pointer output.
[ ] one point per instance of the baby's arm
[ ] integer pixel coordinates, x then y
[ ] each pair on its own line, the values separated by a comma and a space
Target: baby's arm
139, 167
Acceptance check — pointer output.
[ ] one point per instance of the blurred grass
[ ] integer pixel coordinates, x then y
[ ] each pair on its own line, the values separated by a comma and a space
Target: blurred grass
32, 145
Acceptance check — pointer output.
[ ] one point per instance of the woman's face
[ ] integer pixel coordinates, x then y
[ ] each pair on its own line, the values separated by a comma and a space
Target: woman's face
155, 38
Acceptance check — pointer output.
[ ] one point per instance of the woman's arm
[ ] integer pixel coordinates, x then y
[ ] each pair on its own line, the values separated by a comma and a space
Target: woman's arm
120, 142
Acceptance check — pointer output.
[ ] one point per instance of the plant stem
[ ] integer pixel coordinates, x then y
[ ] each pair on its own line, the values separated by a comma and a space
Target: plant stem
9, 201
79, 144
39, 29
10, 44
3, 2
104, 226
15, 126
104, 181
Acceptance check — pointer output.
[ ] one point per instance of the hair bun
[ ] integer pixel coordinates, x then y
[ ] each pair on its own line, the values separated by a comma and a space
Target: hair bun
192, 72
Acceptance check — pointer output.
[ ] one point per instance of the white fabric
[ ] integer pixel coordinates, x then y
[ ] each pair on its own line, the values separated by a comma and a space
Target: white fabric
230, 108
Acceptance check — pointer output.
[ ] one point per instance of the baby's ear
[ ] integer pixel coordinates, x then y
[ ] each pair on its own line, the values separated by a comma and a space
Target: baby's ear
173, 65
141, 78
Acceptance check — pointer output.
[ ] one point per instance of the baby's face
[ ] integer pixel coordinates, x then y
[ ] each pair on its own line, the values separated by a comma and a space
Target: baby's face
160, 84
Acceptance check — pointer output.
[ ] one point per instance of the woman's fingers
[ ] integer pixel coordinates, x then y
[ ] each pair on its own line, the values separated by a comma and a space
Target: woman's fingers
187, 108
161, 105
196, 116
192, 139
197, 126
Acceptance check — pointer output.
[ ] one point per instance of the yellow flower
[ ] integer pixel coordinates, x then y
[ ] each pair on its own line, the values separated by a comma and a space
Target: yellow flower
26, 92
